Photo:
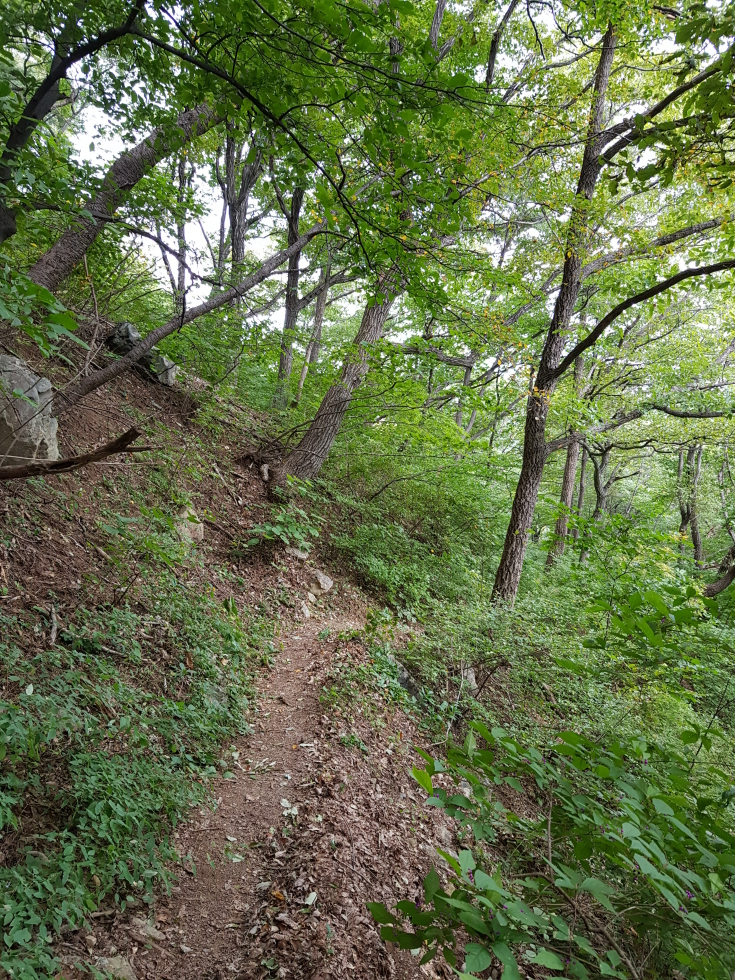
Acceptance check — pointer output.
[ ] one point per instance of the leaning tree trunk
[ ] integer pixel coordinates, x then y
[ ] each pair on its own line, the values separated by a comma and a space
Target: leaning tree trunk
508, 576
565, 501
129, 168
307, 459
602, 489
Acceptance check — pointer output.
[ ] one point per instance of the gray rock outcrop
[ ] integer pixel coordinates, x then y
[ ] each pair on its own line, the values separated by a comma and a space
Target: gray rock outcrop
27, 425
153, 366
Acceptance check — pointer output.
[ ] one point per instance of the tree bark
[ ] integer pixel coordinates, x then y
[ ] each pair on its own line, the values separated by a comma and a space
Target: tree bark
307, 459
683, 503
565, 501
508, 576
582, 488
129, 168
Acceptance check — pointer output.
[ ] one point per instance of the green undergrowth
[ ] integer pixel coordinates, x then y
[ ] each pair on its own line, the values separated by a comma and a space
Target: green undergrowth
111, 734
106, 740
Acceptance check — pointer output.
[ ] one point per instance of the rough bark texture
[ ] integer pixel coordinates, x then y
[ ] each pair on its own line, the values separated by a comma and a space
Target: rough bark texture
565, 501
509, 571
96, 380
129, 168
309, 456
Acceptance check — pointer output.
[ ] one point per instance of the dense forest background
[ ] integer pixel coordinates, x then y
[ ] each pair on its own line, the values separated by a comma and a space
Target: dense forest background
451, 285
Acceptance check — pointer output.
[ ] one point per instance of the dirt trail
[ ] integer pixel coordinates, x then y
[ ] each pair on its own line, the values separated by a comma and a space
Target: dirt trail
293, 850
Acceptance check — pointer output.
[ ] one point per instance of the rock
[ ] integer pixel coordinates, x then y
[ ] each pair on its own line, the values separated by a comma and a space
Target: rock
305, 610
264, 472
164, 369
406, 680
185, 949
27, 427
188, 525
153, 366
319, 582
467, 674
118, 966
297, 553
311, 597
148, 929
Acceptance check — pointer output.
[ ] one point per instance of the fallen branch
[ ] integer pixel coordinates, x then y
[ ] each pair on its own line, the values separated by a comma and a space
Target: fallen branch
52, 467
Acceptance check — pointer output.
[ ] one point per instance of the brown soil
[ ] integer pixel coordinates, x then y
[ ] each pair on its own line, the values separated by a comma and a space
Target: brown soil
270, 890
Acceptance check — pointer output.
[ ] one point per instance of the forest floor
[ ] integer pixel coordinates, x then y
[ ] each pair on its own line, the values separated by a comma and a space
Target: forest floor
319, 813
318, 819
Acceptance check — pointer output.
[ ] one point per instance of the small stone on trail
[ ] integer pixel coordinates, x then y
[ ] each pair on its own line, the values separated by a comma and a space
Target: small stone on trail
311, 597
185, 949
305, 610
118, 966
264, 472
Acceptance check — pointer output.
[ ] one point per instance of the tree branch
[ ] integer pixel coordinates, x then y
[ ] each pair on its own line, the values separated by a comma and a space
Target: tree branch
53, 467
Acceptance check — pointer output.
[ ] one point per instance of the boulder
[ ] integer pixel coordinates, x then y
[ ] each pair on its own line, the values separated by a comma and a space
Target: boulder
153, 366
188, 525
319, 582
27, 425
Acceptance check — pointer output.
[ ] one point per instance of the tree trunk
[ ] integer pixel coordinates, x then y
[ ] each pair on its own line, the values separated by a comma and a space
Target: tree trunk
312, 348
307, 459
129, 168
683, 504
508, 576
602, 488
694, 471
582, 488
565, 501
285, 361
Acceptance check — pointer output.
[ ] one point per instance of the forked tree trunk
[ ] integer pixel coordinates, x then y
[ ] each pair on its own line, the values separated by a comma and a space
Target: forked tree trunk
129, 168
565, 501
307, 459
508, 576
